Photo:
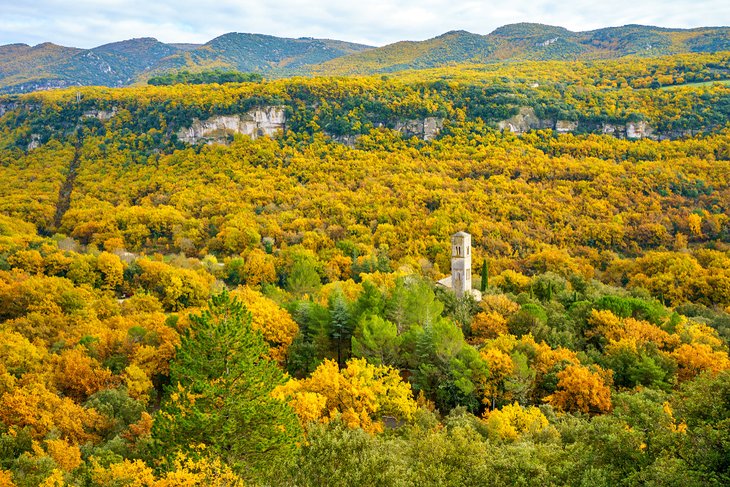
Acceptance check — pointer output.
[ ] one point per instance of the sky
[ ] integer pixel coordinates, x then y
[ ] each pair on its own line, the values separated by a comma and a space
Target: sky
89, 23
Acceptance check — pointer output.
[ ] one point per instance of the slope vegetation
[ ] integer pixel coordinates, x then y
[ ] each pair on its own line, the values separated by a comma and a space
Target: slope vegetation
531, 42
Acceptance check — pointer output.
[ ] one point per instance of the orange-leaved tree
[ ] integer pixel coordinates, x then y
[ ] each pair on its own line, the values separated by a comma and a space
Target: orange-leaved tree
581, 390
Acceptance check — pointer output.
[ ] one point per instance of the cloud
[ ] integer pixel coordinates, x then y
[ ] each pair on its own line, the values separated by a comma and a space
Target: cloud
88, 23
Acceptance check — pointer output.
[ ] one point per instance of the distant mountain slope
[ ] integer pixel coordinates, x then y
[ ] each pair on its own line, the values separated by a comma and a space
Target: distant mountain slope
531, 42
260, 53
115, 64
21, 64
24, 68
536, 41
455, 46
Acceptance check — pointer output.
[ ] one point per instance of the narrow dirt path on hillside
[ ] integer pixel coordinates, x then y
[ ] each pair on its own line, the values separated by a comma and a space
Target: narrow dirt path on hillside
64, 194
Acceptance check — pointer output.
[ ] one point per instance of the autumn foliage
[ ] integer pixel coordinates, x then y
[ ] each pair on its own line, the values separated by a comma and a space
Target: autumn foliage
359, 395
263, 311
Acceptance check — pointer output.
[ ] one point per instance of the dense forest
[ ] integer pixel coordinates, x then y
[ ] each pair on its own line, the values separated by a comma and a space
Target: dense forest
204, 77
263, 310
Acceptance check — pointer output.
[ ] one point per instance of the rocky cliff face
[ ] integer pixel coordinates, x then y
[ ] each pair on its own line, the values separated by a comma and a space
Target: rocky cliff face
10, 105
37, 85
348, 140
632, 130
425, 129
638, 130
565, 126
102, 115
676, 134
265, 121
35, 142
527, 120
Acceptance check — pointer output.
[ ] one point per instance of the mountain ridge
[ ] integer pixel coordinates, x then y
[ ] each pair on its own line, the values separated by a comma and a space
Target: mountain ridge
531, 41
25, 68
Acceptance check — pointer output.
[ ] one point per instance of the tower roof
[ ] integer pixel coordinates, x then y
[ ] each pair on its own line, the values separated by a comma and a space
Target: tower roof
461, 234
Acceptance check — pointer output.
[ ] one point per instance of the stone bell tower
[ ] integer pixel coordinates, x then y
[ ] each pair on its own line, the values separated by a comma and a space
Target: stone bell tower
461, 263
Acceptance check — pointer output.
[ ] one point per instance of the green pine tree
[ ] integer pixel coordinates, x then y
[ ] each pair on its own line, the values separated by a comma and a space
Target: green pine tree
220, 395
340, 325
376, 340
485, 276
303, 278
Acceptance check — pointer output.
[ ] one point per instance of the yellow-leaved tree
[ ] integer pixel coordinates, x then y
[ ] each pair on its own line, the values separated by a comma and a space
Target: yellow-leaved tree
66, 455
360, 395
513, 421
186, 471
581, 390
259, 268
78, 376
274, 322
42, 411
692, 359
486, 326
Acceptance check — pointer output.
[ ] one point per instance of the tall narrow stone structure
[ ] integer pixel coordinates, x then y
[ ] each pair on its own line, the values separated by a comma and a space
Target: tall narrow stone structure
461, 263
459, 282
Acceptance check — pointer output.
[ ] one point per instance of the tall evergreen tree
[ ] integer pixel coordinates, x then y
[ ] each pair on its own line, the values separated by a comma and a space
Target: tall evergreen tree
220, 394
303, 278
340, 325
485, 276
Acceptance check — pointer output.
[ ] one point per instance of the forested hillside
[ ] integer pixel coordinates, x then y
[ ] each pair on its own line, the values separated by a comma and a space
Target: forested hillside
229, 284
526, 41
45, 66
25, 69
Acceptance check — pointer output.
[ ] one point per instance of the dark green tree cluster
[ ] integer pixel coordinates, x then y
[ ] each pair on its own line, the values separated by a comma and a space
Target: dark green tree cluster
204, 77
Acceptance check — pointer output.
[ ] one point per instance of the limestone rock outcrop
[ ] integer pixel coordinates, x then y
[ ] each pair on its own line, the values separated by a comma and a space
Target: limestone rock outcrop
425, 129
612, 129
565, 126
7, 106
638, 130
348, 140
35, 142
102, 115
264, 121
526, 120
523, 121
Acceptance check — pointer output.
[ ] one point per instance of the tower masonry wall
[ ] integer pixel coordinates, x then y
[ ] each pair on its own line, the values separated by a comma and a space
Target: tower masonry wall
461, 263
